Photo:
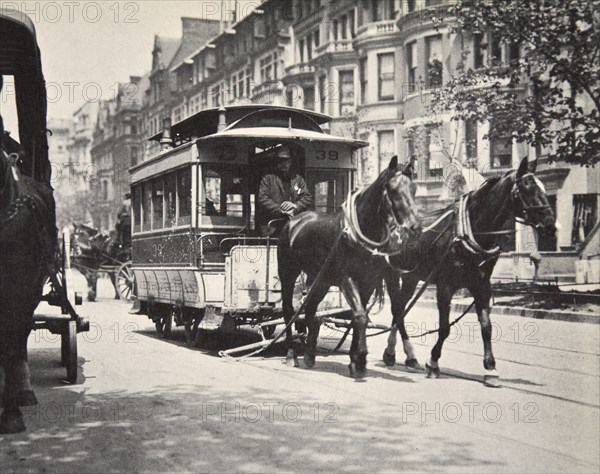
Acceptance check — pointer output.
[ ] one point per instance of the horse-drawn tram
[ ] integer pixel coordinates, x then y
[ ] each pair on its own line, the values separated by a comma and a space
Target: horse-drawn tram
201, 256
29, 251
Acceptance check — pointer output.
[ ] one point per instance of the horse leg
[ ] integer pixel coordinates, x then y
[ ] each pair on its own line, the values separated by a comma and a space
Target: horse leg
444, 297
399, 298
482, 293
113, 280
313, 325
288, 281
25, 394
92, 280
11, 419
358, 348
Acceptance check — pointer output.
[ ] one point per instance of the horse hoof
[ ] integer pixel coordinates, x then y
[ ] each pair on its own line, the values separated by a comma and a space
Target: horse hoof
412, 364
389, 359
492, 380
291, 360
432, 372
309, 361
11, 422
26, 398
357, 373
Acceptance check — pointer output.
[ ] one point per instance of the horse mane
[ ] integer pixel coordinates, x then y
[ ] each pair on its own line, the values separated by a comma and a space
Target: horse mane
483, 191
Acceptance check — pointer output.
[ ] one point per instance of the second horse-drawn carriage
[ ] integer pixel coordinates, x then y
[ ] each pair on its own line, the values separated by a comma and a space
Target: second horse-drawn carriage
95, 253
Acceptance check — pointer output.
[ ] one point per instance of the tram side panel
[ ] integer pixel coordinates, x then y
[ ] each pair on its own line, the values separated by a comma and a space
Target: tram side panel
252, 282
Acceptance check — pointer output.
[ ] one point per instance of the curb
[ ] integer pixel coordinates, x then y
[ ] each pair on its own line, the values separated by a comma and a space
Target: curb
570, 316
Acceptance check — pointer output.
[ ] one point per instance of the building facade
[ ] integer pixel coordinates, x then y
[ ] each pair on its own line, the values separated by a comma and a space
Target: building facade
372, 66
116, 147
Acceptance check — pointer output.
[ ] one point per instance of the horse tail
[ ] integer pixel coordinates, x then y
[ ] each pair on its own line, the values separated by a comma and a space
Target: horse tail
378, 297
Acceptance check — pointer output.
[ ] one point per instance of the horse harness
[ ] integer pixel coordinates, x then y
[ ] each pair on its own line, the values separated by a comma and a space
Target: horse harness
352, 231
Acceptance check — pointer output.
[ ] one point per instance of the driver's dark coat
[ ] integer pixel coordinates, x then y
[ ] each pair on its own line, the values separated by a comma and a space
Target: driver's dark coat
272, 193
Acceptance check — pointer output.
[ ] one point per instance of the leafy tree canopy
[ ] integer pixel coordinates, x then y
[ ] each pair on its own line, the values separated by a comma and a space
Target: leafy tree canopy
549, 97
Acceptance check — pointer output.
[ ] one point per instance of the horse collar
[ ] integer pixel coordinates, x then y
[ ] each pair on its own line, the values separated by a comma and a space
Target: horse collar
353, 231
464, 232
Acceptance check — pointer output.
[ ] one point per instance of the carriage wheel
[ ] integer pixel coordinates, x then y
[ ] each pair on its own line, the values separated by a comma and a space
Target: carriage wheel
164, 325
125, 281
68, 351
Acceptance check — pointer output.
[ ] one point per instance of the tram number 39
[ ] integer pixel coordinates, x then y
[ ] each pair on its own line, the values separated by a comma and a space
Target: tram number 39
158, 250
331, 155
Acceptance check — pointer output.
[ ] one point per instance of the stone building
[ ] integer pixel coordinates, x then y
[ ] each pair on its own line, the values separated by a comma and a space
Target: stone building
372, 66
116, 147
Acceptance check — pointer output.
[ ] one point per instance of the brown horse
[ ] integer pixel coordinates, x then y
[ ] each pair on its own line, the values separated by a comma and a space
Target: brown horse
27, 243
346, 250
460, 250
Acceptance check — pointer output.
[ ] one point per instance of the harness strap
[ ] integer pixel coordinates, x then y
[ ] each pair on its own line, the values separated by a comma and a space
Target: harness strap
353, 231
464, 232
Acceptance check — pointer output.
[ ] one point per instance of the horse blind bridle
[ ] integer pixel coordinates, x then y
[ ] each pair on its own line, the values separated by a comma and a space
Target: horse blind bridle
526, 208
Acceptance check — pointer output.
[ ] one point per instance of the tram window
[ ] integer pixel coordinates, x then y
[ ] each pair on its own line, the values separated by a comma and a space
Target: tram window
170, 200
324, 196
137, 209
147, 207
223, 199
212, 193
329, 189
157, 204
184, 196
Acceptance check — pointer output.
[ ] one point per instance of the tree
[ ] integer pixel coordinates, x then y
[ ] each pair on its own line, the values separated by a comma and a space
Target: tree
547, 95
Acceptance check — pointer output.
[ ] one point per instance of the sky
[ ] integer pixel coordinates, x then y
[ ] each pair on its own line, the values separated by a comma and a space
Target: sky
89, 46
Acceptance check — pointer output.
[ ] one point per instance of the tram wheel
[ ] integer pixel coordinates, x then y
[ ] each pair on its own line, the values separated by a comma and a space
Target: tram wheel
164, 326
191, 332
269, 331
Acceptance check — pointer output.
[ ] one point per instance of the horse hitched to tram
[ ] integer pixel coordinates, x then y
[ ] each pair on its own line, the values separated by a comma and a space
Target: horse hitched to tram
29, 249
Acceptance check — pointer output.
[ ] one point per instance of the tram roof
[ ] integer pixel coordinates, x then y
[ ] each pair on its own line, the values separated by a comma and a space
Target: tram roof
279, 124
206, 122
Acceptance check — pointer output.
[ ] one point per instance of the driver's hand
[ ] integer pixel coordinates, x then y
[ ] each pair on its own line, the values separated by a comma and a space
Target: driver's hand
287, 206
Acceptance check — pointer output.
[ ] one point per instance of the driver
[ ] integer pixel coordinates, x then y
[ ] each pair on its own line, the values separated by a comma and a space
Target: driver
281, 195
123, 226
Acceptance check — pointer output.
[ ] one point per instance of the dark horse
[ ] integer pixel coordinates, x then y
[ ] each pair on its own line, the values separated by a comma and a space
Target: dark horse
27, 245
348, 247
92, 249
460, 250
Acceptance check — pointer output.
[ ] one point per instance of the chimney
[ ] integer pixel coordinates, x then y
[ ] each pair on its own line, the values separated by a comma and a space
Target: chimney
188, 25
166, 142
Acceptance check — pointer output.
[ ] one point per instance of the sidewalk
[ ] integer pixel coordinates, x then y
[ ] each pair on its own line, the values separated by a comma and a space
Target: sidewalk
461, 304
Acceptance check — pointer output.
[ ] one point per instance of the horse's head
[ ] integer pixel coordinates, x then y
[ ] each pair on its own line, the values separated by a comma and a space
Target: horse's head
82, 239
530, 200
403, 219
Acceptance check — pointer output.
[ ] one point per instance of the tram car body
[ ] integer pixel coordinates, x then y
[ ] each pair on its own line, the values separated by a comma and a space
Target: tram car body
198, 257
